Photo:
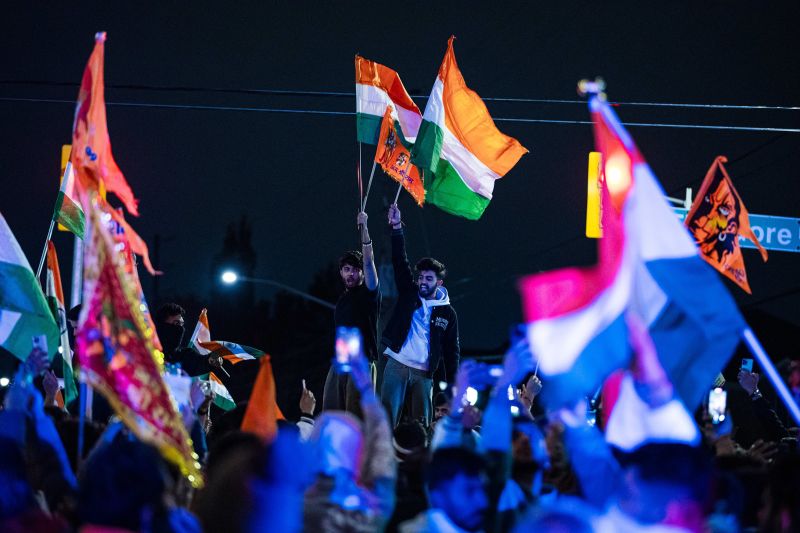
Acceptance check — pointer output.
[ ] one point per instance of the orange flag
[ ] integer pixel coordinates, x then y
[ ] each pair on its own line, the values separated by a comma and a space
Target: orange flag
91, 158
395, 159
263, 413
717, 217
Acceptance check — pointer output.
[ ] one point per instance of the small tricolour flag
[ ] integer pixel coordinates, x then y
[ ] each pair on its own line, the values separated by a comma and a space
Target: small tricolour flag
55, 297
379, 87
201, 334
68, 211
231, 351
459, 147
222, 398
23, 309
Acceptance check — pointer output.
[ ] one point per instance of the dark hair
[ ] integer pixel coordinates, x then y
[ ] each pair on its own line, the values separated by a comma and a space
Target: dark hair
353, 258
167, 310
410, 435
429, 263
447, 463
440, 399
676, 464
74, 313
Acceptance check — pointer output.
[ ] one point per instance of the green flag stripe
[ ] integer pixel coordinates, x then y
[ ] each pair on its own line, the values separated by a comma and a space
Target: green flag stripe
448, 192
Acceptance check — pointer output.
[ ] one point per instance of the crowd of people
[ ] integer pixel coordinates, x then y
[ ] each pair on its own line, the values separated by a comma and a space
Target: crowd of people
388, 451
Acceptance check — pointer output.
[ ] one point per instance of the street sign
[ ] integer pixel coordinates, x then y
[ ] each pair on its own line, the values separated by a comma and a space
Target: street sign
774, 233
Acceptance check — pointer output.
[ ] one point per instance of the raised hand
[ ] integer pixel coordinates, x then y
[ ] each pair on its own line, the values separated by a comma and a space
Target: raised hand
394, 217
307, 401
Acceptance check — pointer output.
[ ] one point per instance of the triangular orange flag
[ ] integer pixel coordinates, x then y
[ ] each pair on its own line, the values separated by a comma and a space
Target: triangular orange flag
717, 217
263, 413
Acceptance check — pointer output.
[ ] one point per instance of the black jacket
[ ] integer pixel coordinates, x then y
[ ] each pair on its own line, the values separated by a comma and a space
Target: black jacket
444, 346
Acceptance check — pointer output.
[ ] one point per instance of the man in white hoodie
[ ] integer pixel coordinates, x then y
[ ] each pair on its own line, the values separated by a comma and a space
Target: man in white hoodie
421, 335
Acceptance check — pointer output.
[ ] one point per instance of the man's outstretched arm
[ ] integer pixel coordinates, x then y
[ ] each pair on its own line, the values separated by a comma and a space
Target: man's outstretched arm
402, 269
370, 272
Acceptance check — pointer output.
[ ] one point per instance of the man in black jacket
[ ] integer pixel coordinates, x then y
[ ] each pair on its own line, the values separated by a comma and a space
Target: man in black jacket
421, 335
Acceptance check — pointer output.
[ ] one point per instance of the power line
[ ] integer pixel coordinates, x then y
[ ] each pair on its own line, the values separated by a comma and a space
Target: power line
351, 113
349, 94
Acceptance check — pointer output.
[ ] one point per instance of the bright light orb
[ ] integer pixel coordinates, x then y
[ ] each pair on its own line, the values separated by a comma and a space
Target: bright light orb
229, 277
4, 381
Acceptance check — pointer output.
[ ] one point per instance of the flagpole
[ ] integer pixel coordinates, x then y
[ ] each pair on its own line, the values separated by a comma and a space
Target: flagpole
397, 196
765, 362
369, 186
44, 251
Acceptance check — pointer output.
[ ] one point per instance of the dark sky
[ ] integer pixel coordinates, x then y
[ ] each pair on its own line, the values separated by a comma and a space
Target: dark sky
292, 174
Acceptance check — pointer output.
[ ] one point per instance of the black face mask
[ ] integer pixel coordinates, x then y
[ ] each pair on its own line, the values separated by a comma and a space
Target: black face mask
171, 336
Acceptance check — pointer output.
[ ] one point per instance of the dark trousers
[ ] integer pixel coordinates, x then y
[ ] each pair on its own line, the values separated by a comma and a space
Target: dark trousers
340, 394
403, 385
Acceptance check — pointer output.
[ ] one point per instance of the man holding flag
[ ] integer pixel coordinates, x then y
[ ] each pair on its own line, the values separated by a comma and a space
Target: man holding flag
421, 335
358, 306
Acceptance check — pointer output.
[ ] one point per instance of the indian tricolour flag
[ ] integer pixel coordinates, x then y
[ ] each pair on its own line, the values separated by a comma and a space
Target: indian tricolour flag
231, 351
55, 297
648, 265
460, 146
222, 397
23, 309
68, 211
202, 333
379, 87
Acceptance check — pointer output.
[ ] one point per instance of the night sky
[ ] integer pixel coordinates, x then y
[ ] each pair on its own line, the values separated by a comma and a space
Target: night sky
293, 174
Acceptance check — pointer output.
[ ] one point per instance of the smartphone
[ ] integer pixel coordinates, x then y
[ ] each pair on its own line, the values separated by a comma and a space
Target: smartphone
472, 396
747, 365
347, 347
717, 405
39, 342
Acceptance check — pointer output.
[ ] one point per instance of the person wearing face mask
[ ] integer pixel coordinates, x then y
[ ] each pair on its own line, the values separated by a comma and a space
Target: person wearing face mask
421, 335
171, 331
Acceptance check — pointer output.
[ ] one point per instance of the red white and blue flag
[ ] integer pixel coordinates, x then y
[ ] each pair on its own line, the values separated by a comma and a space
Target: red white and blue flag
647, 264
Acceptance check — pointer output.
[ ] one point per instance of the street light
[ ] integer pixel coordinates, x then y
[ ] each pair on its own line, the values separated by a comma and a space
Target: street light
229, 277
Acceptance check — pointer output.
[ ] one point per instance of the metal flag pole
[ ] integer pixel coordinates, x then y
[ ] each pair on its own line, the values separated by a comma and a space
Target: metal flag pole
765, 362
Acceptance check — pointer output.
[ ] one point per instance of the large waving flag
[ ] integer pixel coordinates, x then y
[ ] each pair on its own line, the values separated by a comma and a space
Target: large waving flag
379, 87
55, 297
648, 264
23, 308
68, 211
116, 351
460, 145
91, 147
395, 159
717, 218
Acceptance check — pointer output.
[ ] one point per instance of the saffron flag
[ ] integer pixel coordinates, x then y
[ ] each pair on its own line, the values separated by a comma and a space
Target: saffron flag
92, 160
201, 334
23, 309
717, 218
459, 147
231, 351
55, 297
395, 159
648, 265
68, 211
263, 413
379, 87
116, 351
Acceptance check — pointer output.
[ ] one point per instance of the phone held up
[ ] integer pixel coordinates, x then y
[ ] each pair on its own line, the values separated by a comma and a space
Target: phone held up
747, 365
347, 348
717, 405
